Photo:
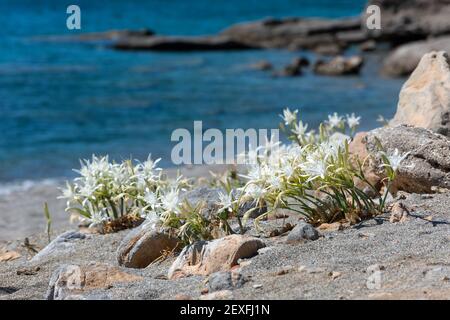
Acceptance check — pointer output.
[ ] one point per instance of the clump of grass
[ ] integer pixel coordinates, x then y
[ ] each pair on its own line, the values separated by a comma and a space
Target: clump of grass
48, 220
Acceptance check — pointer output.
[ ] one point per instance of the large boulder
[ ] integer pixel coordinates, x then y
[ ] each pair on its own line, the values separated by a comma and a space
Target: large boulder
404, 59
426, 166
206, 257
143, 245
409, 20
425, 97
75, 282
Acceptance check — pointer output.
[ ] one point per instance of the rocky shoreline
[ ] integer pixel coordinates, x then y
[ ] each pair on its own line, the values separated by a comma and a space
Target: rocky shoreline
409, 30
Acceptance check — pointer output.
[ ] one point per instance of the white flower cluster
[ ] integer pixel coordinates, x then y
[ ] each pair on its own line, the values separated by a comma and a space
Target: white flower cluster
106, 190
291, 176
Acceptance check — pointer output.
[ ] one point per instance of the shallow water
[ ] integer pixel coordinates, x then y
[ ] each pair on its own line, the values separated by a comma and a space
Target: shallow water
60, 102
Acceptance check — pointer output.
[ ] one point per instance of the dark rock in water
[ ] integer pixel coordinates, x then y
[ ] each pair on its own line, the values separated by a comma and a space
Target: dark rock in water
368, 46
339, 66
293, 33
329, 49
64, 243
404, 21
404, 59
168, 43
262, 65
302, 231
294, 68
110, 35
225, 280
143, 245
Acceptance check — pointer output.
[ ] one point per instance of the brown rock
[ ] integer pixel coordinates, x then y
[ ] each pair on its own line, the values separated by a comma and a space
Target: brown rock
218, 295
143, 245
330, 227
399, 213
9, 255
425, 97
69, 281
339, 66
357, 148
204, 258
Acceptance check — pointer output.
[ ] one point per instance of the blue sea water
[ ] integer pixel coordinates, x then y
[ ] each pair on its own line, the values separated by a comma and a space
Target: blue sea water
60, 102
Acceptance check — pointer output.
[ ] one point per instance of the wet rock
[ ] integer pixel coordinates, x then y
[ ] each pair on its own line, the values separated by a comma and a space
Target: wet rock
294, 68
63, 244
339, 66
206, 257
110, 35
143, 245
225, 280
405, 58
169, 43
302, 231
425, 97
74, 282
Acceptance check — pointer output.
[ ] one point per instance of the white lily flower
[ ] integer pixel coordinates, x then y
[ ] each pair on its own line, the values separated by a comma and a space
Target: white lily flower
289, 116
394, 159
225, 201
300, 129
151, 199
170, 200
335, 120
353, 121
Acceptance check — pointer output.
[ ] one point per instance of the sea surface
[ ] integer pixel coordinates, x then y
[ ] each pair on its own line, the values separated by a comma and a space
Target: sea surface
60, 102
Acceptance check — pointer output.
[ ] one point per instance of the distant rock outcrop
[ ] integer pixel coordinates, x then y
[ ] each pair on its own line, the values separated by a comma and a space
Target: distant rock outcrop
297, 33
409, 20
339, 66
403, 60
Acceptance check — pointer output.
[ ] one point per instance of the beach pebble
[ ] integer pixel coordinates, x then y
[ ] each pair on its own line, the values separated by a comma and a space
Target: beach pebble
302, 231
225, 281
